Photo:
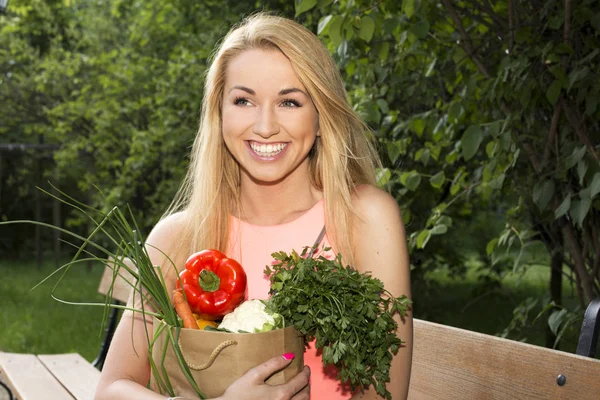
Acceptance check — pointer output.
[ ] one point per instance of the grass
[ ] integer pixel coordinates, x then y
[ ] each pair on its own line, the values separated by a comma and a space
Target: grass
469, 303
32, 322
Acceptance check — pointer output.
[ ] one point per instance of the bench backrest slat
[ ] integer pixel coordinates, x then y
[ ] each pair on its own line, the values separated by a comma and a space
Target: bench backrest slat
30, 379
78, 376
121, 287
452, 363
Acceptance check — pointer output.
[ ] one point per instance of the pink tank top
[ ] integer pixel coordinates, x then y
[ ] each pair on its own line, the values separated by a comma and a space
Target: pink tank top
252, 246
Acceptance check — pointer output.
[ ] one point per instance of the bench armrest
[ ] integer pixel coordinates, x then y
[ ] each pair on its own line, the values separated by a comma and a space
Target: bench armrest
588, 337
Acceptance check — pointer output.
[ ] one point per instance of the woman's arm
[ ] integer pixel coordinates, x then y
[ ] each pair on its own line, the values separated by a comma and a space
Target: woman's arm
127, 367
380, 247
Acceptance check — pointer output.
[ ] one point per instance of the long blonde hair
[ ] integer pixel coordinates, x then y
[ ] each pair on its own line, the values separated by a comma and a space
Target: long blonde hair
342, 159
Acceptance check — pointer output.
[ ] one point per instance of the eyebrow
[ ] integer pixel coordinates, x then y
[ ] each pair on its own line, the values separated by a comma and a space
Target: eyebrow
282, 92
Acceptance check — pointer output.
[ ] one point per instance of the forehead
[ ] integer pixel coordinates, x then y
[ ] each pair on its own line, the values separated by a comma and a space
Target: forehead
261, 70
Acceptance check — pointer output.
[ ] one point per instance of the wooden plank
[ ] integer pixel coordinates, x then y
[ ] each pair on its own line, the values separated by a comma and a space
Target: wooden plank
452, 363
121, 289
29, 379
77, 375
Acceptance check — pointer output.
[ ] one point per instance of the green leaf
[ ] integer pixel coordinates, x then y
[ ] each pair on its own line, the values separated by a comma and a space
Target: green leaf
542, 193
383, 176
423, 238
393, 150
420, 29
470, 141
575, 157
335, 30
418, 125
409, 7
446, 220
323, 23
367, 28
411, 180
438, 180
324, 3
577, 75
582, 168
455, 111
553, 92
383, 106
304, 5
579, 210
556, 318
564, 207
495, 128
498, 181
439, 229
595, 185
430, 67
489, 249
384, 51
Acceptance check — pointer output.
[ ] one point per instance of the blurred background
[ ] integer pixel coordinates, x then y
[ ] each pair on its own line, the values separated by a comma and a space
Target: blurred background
486, 115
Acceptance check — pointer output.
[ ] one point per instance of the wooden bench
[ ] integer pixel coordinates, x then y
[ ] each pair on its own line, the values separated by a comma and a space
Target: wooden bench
452, 363
448, 363
61, 376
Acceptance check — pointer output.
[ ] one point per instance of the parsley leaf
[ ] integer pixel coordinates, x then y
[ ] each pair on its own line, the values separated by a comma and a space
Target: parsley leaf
349, 313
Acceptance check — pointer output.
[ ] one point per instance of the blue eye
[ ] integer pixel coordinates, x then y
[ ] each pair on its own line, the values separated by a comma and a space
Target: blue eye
291, 103
241, 101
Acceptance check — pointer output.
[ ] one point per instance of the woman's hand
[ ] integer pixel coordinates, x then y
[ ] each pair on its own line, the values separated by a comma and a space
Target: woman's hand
252, 384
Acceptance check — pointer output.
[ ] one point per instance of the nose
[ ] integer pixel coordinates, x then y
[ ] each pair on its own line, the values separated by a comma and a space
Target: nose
266, 124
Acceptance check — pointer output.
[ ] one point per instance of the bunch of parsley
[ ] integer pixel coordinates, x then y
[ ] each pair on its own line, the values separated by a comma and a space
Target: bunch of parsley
349, 313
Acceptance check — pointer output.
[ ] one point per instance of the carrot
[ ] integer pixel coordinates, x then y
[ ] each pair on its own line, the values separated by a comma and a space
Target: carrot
183, 310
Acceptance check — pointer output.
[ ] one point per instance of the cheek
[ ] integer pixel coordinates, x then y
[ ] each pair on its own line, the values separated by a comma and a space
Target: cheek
232, 123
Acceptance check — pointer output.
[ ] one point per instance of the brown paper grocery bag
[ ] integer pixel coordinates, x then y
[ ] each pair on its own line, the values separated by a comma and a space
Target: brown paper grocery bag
217, 359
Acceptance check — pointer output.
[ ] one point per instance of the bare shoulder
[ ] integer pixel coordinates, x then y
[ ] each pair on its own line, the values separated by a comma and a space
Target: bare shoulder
379, 239
169, 225
164, 238
374, 205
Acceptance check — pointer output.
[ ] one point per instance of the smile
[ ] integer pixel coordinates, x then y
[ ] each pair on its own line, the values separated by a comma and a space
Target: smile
267, 150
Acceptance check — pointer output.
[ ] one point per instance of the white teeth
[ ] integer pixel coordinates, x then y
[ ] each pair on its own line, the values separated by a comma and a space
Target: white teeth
267, 150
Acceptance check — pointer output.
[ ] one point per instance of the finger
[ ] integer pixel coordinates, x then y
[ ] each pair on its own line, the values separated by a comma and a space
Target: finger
261, 372
299, 383
304, 394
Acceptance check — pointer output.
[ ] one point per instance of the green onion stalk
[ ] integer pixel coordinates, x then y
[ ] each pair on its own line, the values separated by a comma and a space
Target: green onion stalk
127, 257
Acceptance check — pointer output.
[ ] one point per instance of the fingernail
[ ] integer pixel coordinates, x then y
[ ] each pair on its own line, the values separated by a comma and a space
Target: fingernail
288, 356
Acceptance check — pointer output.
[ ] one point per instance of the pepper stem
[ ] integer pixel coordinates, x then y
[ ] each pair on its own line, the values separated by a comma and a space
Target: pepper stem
209, 281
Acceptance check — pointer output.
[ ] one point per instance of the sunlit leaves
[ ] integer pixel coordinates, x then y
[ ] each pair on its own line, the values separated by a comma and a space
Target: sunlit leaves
367, 28
303, 6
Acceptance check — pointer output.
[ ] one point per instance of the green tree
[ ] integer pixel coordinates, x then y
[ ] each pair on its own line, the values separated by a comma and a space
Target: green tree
478, 105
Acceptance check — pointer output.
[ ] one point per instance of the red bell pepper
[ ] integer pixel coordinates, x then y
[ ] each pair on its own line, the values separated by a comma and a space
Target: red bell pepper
214, 284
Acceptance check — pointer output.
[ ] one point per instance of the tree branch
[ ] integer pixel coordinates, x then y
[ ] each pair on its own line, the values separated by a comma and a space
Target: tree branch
553, 133
485, 6
466, 42
580, 129
587, 285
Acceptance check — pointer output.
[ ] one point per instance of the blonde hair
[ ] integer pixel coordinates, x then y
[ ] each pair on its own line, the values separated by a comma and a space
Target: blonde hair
342, 159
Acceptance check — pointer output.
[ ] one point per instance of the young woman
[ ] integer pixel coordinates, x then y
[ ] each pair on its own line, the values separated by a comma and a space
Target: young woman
279, 155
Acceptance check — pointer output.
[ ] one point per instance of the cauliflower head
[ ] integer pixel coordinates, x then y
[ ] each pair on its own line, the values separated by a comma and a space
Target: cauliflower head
251, 316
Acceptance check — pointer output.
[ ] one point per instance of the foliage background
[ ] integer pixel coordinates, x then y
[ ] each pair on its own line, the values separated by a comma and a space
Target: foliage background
486, 117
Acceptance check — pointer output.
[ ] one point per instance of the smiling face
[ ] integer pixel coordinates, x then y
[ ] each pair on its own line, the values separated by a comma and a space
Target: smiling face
269, 121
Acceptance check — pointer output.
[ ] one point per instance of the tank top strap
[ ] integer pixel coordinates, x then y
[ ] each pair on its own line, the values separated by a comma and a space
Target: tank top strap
317, 242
